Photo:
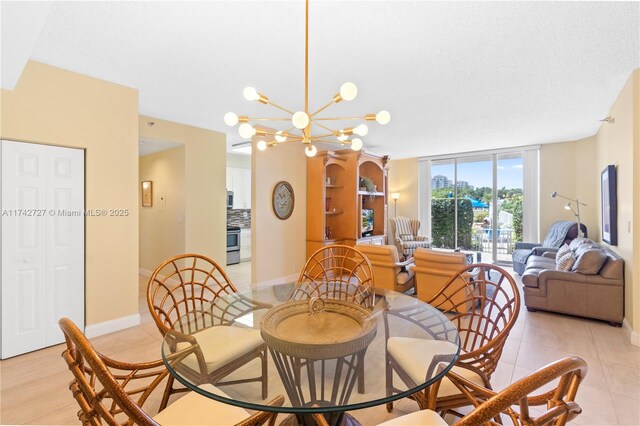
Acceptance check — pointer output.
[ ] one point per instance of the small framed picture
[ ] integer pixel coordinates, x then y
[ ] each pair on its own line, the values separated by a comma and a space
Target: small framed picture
147, 193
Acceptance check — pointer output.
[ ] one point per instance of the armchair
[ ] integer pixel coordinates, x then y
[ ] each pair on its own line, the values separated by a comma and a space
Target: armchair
390, 273
405, 235
434, 269
560, 233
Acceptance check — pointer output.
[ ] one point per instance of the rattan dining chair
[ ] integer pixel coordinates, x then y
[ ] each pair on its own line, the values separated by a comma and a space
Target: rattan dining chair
494, 305
512, 403
184, 295
337, 272
114, 392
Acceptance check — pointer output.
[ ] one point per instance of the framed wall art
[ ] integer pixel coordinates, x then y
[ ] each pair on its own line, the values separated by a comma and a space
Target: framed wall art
147, 193
608, 188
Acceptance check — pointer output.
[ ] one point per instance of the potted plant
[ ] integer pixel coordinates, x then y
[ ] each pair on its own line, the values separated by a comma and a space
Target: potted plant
367, 185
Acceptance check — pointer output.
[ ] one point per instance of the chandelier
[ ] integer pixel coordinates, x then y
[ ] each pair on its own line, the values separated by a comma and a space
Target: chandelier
305, 123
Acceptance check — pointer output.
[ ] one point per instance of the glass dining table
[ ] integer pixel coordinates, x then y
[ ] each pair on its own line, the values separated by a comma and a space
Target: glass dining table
325, 355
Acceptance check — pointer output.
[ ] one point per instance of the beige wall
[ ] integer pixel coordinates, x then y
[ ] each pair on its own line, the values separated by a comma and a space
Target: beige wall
616, 144
573, 169
561, 168
53, 106
403, 178
205, 217
278, 246
162, 225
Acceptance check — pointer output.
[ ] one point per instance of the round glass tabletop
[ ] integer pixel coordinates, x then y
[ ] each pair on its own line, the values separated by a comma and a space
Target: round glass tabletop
323, 355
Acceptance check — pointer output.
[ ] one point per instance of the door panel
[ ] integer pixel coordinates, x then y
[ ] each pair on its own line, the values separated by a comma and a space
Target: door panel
42, 248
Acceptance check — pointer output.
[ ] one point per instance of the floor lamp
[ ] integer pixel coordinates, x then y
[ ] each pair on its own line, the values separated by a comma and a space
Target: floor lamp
576, 212
395, 196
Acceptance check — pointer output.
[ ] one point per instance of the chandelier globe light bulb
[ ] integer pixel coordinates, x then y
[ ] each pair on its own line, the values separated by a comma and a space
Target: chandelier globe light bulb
300, 120
230, 119
383, 117
250, 94
261, 145
281, 136
361, 130
356, 144
310, 151
246, 130
348, 91
342, 137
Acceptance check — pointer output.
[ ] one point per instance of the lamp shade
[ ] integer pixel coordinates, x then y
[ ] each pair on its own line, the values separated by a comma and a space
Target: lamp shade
395, 195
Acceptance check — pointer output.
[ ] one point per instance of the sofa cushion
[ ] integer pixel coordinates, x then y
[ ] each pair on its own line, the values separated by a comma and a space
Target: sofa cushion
541, 262
590, 261
562, 251
576, 242
565, 262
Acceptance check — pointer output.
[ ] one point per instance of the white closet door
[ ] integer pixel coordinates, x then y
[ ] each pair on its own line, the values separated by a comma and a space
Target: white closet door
42, 244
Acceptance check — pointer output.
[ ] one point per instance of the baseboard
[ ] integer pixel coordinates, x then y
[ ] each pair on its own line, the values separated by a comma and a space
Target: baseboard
145, 272
634, 336
280, 280
111, 326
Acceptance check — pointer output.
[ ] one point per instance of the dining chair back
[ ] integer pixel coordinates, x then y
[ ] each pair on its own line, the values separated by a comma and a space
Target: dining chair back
491, 309
513, 404
114, 392
192, 296
337, 272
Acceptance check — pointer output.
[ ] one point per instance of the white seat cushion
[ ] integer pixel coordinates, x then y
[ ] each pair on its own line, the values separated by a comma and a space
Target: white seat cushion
414, 357
195, 409
221, 345
418, 418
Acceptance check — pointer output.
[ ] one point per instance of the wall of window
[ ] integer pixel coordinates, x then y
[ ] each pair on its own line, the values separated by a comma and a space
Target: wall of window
482, 202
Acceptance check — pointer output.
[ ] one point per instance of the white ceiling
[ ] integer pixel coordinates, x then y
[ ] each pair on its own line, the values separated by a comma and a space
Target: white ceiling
456, 76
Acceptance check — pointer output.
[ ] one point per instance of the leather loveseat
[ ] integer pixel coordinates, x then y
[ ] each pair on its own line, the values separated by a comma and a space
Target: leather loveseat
592, 288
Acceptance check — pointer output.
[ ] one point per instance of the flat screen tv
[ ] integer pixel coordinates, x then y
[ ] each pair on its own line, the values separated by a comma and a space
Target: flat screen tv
367, 222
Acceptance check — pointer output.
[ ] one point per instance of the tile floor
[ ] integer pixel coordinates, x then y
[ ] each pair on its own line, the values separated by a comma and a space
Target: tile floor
33, 387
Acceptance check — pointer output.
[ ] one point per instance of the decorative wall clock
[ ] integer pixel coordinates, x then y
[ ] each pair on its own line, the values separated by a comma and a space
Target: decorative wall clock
283, 200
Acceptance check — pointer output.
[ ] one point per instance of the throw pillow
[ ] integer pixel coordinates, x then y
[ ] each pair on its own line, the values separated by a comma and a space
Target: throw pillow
590, 261
565, 262
562, 251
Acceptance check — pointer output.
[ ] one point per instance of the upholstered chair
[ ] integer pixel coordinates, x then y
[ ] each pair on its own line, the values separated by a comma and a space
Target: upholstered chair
434, 268
405, 235
390, 273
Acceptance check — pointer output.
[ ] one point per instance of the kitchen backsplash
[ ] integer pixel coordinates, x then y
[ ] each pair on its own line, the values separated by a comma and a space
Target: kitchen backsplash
239, 217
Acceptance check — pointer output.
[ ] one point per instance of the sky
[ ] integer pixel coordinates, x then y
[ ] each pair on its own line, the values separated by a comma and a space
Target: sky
479, 173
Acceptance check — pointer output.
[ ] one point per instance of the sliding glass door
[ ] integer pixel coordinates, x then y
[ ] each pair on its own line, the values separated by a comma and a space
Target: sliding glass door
476, 204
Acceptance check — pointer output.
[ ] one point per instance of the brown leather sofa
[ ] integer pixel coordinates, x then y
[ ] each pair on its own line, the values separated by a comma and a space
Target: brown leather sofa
597, 294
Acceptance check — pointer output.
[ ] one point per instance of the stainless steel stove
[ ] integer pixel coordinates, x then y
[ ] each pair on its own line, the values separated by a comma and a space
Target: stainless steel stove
233, 245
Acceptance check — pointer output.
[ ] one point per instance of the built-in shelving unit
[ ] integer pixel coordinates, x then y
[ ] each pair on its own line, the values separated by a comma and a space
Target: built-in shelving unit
335, 199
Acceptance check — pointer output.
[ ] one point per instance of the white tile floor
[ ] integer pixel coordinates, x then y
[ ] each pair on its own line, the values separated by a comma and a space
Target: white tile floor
34, 386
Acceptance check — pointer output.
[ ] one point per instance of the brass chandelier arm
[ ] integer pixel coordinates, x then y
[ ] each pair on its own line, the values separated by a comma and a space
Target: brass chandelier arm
323, 135
333, 132
280, 107
338, 118
267, 119
347, 142
322, 108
